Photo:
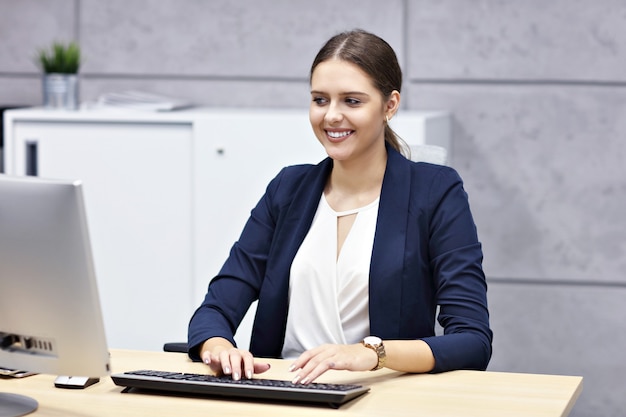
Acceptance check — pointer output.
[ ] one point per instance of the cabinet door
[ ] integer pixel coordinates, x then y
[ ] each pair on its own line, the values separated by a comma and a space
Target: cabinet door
137, 187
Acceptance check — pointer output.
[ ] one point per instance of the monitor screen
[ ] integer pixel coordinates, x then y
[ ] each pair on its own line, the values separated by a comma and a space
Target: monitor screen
50, 316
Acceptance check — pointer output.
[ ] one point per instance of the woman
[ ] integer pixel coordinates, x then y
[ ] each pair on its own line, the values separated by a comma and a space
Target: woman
350, 258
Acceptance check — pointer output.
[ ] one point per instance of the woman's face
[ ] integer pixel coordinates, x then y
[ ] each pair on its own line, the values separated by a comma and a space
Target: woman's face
347, 112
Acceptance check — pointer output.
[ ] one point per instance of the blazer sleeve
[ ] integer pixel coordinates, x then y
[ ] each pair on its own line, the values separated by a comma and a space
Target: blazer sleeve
455, 255
237, 285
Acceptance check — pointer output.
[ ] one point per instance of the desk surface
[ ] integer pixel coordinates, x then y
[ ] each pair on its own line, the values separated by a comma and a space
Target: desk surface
466, 393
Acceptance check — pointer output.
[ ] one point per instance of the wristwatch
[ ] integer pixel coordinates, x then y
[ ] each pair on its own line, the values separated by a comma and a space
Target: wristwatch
376, 344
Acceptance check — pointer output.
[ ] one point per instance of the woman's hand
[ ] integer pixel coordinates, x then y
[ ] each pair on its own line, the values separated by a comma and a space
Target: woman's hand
314, 362
225, 359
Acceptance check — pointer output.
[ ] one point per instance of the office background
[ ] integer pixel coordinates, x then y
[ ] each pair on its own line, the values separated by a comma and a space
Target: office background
537, 90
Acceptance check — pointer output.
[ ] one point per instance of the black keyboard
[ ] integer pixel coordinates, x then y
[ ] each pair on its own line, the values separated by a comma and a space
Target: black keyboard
224, 386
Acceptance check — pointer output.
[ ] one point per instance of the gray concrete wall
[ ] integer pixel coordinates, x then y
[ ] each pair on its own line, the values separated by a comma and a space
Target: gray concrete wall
538, 93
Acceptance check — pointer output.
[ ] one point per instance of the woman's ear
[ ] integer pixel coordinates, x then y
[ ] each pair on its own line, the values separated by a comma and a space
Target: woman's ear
392, 105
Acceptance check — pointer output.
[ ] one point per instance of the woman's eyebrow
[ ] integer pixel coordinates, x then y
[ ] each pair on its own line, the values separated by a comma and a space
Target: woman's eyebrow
347, 93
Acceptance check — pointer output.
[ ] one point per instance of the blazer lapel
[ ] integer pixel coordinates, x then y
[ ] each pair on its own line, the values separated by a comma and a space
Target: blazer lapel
301, 211
387, 264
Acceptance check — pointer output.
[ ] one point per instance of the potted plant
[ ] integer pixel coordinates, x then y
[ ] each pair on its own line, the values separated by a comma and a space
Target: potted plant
60, 64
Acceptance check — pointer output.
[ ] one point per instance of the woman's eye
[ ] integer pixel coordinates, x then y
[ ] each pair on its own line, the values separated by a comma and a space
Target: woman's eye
319, 100
353, 101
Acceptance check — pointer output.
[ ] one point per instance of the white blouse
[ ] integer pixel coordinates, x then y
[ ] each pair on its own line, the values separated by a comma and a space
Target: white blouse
328, 294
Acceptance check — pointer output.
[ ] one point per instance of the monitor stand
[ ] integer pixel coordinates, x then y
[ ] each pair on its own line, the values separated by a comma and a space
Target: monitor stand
15, 405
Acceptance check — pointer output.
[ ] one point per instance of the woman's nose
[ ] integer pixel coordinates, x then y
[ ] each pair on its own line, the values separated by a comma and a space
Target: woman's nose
333, 113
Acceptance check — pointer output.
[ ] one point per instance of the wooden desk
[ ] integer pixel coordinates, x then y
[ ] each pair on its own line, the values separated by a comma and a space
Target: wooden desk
458, 393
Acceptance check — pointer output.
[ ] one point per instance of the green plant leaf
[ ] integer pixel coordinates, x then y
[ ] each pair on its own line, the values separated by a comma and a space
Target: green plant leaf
60, 58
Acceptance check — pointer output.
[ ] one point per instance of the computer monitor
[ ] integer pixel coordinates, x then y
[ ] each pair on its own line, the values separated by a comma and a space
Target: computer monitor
50, 316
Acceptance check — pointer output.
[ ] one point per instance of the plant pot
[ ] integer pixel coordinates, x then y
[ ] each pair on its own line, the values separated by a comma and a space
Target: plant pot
60, 91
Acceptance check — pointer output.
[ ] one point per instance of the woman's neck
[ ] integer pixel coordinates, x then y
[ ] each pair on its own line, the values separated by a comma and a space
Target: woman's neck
354, 184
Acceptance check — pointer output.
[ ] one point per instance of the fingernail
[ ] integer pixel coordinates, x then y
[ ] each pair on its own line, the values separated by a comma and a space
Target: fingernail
296, 379
249, 374
236, 376
207, 361
227, 370
292, 368
305, 381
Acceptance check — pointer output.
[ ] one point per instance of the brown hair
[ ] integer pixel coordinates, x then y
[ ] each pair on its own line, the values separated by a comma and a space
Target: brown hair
376, 58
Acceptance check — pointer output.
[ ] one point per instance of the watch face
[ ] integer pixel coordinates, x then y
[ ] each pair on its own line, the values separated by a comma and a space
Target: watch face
372, 340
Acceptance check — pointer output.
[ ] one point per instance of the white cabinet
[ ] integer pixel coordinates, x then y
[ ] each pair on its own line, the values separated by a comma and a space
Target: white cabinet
167, 194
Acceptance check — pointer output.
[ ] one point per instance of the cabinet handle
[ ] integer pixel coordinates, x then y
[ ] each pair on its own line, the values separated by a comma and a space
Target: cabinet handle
31, 157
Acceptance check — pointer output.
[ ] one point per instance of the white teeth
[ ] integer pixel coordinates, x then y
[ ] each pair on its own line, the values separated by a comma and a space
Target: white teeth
338, 134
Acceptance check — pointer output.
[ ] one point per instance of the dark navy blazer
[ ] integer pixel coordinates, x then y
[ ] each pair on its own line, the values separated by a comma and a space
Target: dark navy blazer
426, 254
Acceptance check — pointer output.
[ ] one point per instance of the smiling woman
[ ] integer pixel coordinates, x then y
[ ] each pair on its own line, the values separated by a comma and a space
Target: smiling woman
350, 259
349, 114
374, 58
